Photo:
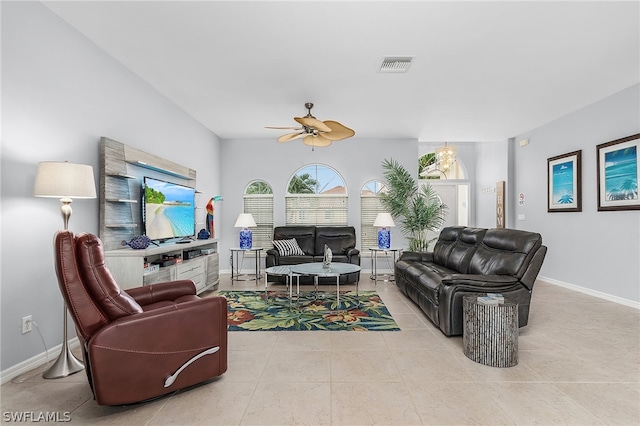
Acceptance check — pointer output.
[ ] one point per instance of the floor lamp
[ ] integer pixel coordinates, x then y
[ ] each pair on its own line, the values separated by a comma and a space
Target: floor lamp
65, 181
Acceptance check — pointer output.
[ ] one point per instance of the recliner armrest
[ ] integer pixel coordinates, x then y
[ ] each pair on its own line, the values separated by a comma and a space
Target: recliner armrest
480, 280
131, 358
159, 292
167, 327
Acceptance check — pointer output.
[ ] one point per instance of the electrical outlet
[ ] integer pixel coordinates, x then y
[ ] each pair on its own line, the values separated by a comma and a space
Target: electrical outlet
27, 324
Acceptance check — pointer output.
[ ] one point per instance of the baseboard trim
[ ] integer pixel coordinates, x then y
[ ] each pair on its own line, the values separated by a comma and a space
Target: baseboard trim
595, 293
35, 362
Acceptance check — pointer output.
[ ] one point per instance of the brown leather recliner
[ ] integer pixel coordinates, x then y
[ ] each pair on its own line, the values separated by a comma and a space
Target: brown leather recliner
140, 343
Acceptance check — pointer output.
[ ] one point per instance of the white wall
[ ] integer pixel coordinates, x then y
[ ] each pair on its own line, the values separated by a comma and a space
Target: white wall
491, 167
60, 94
357, 160
599, 251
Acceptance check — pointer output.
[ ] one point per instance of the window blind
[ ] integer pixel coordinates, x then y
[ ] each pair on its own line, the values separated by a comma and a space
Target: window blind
261, 207
370, 206
316, 209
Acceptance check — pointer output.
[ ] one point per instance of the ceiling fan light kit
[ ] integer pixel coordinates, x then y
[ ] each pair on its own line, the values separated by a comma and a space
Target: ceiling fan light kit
315, 132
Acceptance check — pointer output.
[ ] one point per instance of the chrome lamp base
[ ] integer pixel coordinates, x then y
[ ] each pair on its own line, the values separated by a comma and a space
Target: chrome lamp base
67, 363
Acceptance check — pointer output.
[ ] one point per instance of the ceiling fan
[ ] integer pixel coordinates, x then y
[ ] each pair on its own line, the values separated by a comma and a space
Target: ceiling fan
315, 132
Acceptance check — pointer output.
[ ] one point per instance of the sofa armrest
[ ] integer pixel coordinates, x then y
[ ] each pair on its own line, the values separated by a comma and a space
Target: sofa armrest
273, 258
159, 292
416, 256
353, 256
478, 280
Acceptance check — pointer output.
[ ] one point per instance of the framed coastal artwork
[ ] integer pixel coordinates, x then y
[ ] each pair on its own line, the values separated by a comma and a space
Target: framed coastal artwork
564, 177
618, 174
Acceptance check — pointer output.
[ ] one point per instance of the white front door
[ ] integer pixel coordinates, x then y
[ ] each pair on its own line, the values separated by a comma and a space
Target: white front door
455, 195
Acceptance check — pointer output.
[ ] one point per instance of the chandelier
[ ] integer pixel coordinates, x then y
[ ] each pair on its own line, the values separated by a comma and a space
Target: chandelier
445, 157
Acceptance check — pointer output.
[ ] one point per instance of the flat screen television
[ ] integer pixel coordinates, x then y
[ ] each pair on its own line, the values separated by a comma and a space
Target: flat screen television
168, 210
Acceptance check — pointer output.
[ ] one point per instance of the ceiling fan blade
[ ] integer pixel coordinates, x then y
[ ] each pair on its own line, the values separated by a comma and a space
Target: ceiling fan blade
338, 131
311, 140
284, 127
313, 122
291, 136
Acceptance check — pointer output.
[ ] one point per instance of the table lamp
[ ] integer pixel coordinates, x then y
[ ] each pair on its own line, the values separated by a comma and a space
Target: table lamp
384, 221
244, 221
65, 181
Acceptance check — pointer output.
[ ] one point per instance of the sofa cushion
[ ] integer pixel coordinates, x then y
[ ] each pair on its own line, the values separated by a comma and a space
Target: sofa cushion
295, 260
505, 252
446, 241
456, 254
336, 258
339, 239
288, 247
304, 235
426, 280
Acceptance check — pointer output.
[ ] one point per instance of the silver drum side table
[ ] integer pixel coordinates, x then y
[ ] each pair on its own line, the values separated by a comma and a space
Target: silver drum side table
490, 332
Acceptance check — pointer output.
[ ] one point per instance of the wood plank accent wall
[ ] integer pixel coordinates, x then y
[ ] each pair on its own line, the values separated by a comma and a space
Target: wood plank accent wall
122, 169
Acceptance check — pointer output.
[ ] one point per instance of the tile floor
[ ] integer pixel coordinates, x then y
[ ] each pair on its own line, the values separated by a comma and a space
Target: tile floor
579, 364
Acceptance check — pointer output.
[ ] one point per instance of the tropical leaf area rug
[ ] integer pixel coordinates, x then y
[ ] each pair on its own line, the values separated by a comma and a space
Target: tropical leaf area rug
257, 311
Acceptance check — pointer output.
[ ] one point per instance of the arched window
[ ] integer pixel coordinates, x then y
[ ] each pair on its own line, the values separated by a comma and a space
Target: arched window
258, 200
370, 206
452, 188
316, 195
428, 169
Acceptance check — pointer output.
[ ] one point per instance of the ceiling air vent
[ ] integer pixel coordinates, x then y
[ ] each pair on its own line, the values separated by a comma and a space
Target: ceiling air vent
396, 63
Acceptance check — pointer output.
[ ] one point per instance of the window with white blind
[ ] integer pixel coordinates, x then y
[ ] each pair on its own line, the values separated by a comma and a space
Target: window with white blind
316, 195
258, 200
370, 206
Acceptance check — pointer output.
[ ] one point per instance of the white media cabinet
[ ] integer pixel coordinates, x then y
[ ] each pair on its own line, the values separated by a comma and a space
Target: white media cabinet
127, 265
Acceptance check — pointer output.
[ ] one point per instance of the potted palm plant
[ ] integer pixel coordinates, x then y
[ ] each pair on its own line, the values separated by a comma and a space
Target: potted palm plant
418, 209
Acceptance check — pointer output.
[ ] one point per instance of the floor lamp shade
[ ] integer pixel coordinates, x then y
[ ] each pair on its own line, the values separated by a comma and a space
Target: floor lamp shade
384, 221
65, 181
244, 221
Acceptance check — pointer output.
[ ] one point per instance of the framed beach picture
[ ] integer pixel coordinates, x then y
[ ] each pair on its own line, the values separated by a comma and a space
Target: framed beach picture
564, 177
618, 174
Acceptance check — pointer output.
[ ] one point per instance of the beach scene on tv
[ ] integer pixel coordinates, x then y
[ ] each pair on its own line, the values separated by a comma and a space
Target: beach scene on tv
168, 210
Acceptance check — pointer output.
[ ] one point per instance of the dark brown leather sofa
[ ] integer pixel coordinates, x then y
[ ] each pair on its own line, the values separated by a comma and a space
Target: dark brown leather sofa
144, 342
312, 239
471, 260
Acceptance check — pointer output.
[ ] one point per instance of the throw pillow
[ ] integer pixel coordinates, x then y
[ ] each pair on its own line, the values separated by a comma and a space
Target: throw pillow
288, 247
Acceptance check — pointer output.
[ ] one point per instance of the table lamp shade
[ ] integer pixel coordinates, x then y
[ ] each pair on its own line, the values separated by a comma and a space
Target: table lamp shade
244, 221
384, 221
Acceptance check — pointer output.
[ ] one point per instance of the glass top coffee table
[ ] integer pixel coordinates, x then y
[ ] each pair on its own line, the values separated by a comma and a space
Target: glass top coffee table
335, 269
283, 271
